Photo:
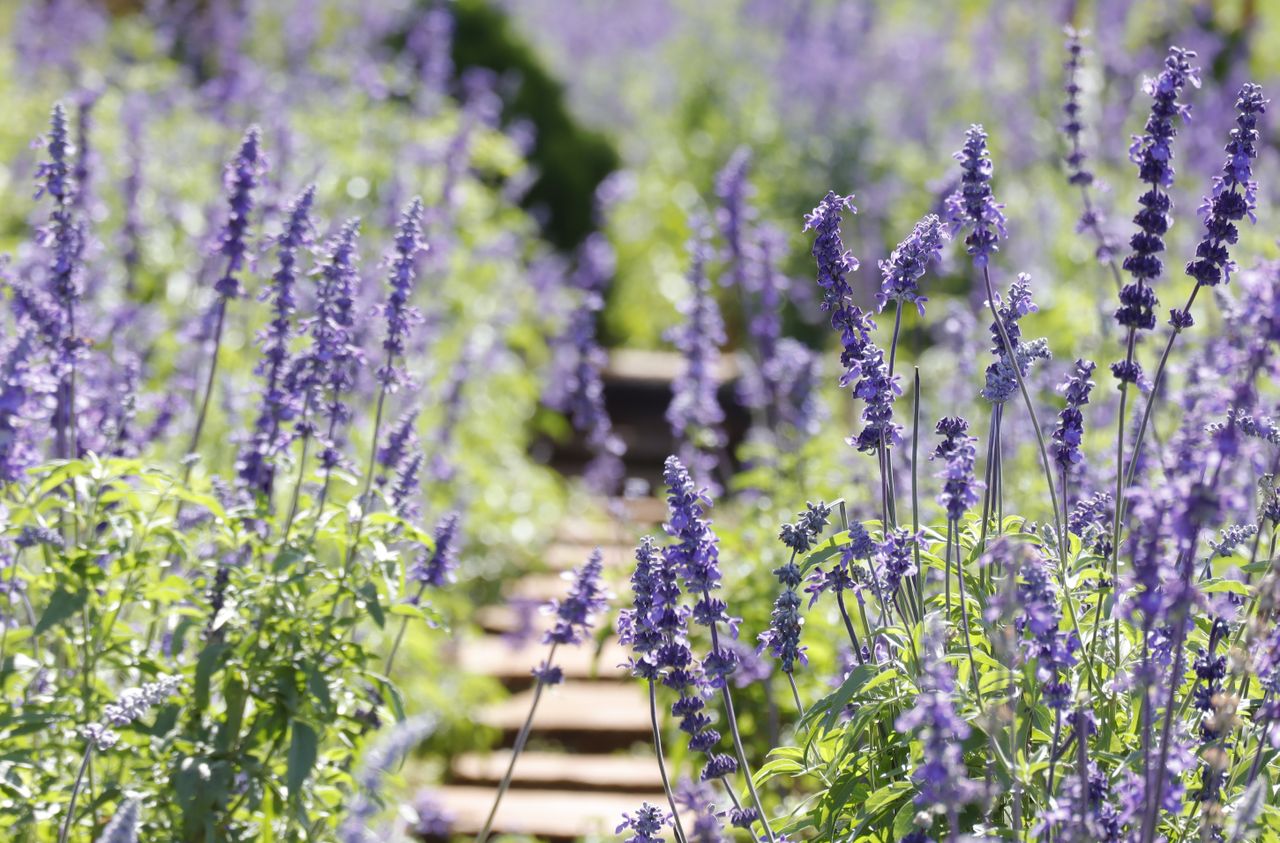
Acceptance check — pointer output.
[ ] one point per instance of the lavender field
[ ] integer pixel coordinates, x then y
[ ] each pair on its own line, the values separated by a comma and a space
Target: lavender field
773, 420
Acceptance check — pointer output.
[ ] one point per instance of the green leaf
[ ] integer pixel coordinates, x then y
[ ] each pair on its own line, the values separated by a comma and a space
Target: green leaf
303, 744
62, 605
369, 592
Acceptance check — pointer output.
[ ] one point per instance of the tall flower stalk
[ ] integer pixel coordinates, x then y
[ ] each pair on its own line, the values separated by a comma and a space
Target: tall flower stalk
242, 177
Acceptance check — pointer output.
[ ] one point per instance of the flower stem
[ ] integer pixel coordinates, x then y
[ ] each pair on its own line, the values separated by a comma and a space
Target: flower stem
208, 385
75, 792
662, 764
521, 739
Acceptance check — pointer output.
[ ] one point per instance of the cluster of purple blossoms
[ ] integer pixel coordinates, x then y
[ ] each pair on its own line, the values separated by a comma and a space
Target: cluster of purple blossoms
243, 175
782, 638
1040, 619
694, 414
834, 261
697, 799
17, 450
279, 404
907, 263
957, 453
128, 707
1090, 519
972, 206
1070, 431
401, 442
1078, 174
327, 371
842, 575
864, 362
645, 825
123, 827
1001, 380
400, 315
734, 215
1086, 813
436, 568
574, 615
941, 779
1234, 198
575, 387
893, 560
64, 234
1153, 153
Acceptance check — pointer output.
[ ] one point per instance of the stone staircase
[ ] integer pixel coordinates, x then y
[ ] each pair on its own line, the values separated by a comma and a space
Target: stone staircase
590, 754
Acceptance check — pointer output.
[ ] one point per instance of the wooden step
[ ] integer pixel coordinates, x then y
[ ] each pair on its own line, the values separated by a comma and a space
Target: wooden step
627, 773
658, 368
599, 715
584, 531
555, 814
565, 556
554, 586
647, 511
507, 620
493, 656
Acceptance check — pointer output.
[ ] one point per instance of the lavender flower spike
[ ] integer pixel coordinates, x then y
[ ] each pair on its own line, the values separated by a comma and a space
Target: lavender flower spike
243, 175
1152, 151
904, 267
123, 827
647, 824
957, 453
1234, 196
279, 404
1070, 430
576, 614
399, 314
972, 206
834, 261
435, 569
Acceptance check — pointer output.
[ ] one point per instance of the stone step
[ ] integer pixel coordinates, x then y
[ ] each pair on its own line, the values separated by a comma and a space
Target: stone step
627, 773
596, 716
493, 656
510, 620
551, 814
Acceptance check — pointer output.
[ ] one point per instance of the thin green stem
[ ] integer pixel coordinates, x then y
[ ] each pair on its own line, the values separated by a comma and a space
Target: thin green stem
662, 764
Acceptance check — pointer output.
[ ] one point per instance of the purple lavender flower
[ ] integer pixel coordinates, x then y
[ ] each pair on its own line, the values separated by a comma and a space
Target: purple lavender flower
957, 452
1001, 381
123, 827
18, 450
1070, 430
639, 626
1077, 171
400, 315
1040, 619
697, 799
940, 776
646, 824
1234, 198
782, 638
695, 414
972, 206
908, 262
1153, 153
407, 488
432, 821
576, 614
279, 405
1091, 520
243, 175
326, 372
894, 559
735, 214
400, 441
834, 261
575, 387
1091, 218
135, 702
436, 568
